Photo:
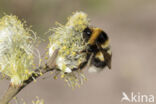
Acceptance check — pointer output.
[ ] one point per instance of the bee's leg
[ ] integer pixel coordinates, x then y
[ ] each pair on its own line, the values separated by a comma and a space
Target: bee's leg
89, 49
83, 51
92, 48
81, 66
75, 69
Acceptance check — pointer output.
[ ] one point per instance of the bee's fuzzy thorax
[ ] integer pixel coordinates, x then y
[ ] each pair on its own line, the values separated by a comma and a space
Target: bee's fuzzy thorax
95, 33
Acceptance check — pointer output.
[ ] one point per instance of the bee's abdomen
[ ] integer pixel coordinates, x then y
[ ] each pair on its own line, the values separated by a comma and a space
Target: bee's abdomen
98, 60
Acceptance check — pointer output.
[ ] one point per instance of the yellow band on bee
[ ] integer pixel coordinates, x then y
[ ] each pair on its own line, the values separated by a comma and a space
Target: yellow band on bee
105, 44
95, 34
99, 55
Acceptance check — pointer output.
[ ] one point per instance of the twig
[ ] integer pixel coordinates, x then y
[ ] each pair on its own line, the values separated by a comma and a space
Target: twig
14, 90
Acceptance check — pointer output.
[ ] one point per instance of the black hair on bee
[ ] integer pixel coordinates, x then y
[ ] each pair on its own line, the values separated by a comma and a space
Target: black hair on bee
98, 45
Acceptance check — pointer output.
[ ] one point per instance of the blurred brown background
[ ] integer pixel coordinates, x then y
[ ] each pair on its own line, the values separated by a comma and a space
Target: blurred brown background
131, 25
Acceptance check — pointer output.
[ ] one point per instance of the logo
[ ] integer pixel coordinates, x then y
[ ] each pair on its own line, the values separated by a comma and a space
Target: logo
137, 98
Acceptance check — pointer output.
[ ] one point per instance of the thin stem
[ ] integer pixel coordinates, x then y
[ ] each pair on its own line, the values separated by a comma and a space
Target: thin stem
14, 90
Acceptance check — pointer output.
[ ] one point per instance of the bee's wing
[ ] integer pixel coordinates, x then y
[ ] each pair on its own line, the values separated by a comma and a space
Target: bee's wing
107, 55
108, 58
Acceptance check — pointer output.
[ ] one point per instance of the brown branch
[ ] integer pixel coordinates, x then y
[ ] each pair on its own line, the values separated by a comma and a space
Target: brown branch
14, 90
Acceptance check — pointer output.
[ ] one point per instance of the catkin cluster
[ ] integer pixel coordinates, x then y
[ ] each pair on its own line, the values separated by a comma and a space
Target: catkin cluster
69, 40
16, 49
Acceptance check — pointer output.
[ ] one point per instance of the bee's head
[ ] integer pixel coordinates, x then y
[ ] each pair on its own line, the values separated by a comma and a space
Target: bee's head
87, 32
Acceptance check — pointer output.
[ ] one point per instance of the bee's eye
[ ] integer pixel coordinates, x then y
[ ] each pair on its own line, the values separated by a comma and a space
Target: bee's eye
87, 33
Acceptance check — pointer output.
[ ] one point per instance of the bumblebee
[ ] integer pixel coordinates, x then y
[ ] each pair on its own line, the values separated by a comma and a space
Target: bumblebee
98, 45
